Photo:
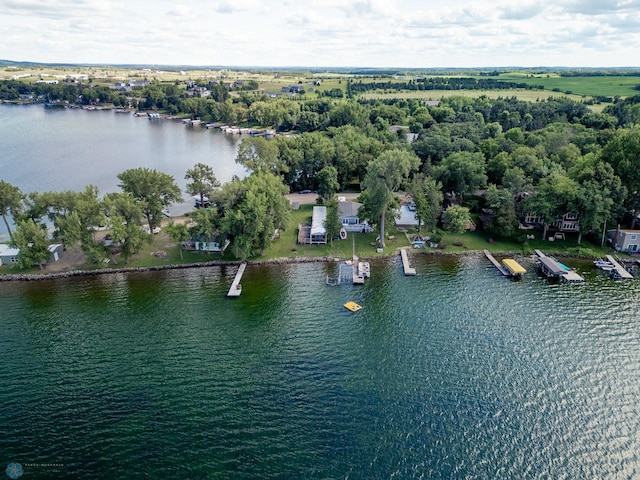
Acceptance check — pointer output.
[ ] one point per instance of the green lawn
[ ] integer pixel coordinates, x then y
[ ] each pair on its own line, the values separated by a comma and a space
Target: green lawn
364, 246
287, 245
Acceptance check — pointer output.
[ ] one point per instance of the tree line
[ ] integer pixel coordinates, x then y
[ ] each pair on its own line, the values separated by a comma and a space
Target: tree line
546, 157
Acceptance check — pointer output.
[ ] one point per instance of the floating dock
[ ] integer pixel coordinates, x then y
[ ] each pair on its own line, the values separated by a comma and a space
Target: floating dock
408, 270
496, 264
618, 272
236, 286
352, 306
551, 268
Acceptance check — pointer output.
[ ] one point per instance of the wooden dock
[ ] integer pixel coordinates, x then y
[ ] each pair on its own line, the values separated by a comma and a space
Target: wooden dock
357, 279
496, 264
408, 270
619, 272
236, 286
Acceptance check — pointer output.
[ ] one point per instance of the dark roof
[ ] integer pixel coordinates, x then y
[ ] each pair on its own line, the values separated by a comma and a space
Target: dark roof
552, 266
349, 209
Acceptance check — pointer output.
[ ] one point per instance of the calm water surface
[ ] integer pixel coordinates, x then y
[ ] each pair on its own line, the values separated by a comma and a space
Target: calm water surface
68, 149
454, 373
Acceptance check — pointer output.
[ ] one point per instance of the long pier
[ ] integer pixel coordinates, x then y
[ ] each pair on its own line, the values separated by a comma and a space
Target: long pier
619, 271
408, 270
496, 264
236, 286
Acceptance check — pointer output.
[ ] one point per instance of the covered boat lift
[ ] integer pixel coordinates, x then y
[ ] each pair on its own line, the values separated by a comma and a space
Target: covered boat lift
514, 268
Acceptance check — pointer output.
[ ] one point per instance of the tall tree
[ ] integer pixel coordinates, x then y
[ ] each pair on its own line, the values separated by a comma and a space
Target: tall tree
32, 241
600, 195
332, 221
203, 181
426, 193
257, 154
255, 207
462, 172
152, 189
124, 214
178, 233
327, 182
455, 219
503, 220
10, 203
554, 196
623, 153
384, 176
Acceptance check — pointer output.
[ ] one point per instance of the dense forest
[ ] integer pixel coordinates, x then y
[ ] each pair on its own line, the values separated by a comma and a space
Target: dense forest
505, 158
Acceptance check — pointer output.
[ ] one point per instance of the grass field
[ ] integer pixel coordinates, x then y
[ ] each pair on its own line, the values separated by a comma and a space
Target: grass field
605, 86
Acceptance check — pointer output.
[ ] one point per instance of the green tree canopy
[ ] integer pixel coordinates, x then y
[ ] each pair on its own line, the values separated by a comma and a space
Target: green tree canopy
503, 220
32, 241
384, 176
455, 219
462, 172
327, 182
426, 193
153, 190
203, 181
254, 208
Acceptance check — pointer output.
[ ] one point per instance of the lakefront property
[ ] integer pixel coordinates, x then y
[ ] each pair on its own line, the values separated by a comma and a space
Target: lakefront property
391, 347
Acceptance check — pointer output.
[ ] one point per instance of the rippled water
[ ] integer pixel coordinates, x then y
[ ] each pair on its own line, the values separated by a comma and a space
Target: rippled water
454, 373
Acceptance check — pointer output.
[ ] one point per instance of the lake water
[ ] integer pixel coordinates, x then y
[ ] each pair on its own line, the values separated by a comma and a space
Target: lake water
68, 149
454, 373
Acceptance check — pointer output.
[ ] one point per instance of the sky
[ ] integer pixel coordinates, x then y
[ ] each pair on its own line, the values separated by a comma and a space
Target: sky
324, 33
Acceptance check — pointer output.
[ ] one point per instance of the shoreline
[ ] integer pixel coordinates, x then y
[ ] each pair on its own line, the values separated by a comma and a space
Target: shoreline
35, 277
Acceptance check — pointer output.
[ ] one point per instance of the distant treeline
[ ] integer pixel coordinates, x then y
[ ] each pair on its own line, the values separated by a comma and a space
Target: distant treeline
439, 83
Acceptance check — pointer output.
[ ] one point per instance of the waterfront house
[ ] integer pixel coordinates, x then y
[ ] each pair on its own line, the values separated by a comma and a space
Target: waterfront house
624, 240
8, 255
349, 219
567, 223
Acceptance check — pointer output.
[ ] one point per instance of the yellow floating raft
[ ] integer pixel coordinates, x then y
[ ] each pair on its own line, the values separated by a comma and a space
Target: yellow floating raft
352, 306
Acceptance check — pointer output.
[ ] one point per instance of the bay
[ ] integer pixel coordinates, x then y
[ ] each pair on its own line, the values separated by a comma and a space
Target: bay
67, 149
455, 373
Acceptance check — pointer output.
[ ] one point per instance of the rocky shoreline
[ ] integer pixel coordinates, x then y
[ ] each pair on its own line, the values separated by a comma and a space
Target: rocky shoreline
32, 277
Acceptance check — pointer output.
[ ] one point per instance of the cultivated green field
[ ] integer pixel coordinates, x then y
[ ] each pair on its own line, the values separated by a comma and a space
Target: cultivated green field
605, 86
521, 94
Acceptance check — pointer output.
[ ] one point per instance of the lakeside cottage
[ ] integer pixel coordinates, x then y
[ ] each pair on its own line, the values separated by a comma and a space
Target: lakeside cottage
349, 219
623, 240
9, 255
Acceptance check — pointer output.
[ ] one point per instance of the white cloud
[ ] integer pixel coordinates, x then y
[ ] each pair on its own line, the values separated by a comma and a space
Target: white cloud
374, 33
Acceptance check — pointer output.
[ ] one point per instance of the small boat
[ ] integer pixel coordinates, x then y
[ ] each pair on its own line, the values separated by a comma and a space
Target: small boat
364, 269
343, 234
604, 265
352, 306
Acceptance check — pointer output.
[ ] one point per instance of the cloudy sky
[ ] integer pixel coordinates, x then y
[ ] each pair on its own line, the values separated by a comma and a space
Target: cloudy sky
363, 33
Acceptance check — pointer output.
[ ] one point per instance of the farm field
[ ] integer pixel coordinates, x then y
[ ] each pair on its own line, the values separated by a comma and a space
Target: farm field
605, 86
521, 94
